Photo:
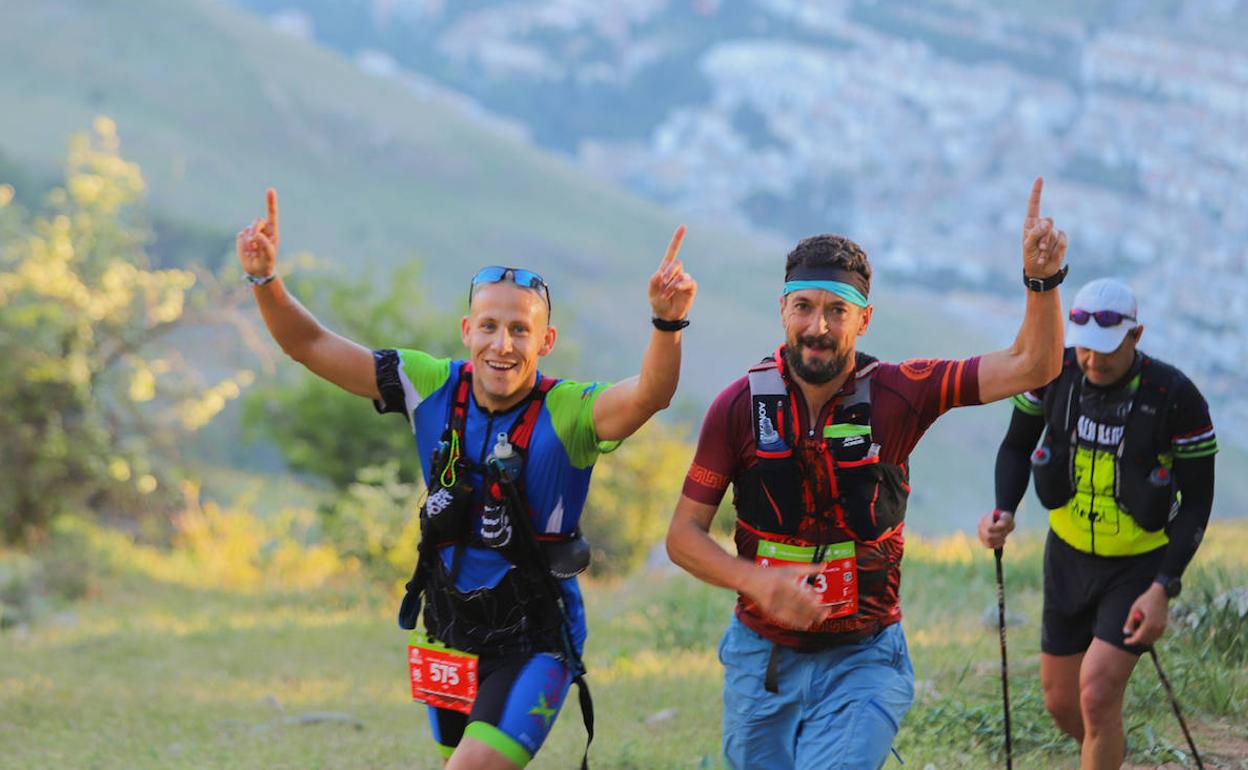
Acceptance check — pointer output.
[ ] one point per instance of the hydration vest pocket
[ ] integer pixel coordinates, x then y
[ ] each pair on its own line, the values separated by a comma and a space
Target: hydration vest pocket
873, 498
1148, 493
1051, 469
409, 610
773, 497
487, 618
445, 515
567, 558
1101, 514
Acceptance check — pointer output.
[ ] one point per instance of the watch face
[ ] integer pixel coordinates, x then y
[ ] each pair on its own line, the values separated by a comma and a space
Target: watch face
1174, 587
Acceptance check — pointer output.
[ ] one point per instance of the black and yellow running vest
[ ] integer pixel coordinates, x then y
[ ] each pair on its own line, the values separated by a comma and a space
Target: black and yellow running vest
1103, 468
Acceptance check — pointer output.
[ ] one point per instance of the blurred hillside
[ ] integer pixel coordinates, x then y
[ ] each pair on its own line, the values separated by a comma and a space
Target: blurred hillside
909, 126
215, 103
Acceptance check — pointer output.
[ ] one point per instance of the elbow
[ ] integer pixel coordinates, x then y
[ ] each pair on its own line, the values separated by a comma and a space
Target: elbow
673, 544
300, 354
1049, 369
653, 403
655, 393
1041, 369
659, 404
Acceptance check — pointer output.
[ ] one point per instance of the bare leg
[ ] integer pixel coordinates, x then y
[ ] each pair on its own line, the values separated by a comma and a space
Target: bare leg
1102, 684
1059, 676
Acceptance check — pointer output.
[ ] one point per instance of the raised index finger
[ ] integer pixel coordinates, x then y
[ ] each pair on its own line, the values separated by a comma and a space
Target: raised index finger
272, 201
1033, 203
673, 248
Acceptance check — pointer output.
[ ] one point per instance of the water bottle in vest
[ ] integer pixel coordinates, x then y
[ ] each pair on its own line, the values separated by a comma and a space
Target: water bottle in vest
769, 439
496, 529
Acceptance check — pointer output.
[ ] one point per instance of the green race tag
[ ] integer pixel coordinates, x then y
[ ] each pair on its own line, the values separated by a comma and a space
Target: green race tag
803, 554
845, 430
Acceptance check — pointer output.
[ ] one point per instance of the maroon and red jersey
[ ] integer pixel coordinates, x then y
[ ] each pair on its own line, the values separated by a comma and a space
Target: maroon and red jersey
905, 400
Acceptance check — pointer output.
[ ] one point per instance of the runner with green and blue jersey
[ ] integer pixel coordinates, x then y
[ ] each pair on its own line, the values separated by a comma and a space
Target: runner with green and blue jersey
507, 455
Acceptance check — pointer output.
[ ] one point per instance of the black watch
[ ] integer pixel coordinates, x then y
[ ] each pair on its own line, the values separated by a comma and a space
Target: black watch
1172, 585
664, 325
1044, 284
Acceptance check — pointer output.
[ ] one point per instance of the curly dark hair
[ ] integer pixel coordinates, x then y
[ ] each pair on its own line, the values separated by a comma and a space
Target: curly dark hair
829, 249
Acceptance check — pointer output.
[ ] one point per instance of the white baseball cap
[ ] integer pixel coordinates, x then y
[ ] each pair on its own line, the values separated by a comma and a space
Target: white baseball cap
1099, 296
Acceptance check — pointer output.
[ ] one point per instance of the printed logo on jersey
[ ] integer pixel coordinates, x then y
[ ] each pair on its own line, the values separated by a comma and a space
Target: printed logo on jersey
1094, 432
700, 474
918, 369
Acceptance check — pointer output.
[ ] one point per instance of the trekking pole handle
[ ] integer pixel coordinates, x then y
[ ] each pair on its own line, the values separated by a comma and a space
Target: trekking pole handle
996, 516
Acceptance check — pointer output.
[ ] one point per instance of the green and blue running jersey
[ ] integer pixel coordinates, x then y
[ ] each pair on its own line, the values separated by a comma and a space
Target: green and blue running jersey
560, 460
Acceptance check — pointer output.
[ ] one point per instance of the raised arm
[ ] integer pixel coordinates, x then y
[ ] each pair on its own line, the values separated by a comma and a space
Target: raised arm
330, 356
1035, 357
626, 405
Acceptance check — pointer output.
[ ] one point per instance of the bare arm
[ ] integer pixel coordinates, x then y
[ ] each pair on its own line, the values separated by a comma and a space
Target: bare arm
1035, 357
628, 404
330, 356
776, 590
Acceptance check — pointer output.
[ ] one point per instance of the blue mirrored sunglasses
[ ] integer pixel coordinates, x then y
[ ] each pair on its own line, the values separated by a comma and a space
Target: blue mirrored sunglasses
525, 279
1103, 318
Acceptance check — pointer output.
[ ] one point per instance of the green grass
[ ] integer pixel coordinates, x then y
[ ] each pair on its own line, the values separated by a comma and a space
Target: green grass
154, 675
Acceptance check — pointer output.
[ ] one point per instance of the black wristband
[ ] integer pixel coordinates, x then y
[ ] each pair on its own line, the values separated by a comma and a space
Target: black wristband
669, 326
1044, 284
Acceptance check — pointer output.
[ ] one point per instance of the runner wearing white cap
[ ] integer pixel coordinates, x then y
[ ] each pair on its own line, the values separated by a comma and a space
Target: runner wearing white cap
1110, 304
1126, 468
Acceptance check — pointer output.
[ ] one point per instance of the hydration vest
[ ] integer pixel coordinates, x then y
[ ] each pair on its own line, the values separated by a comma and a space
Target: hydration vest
863, 498
1104, 465
516, 615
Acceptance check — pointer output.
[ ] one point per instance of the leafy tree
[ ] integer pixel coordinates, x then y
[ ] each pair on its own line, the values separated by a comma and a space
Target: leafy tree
96, 396
321, 429
631, 498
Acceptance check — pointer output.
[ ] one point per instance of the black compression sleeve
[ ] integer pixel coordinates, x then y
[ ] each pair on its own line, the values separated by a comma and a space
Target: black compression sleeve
386, 363
1014, 458
1195, 480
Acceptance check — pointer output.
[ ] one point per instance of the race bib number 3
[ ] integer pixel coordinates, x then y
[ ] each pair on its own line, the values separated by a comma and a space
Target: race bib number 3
836, 585
441, 676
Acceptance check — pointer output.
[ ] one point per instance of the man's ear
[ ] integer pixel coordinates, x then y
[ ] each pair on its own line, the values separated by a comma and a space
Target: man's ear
548, 341
464, 326
866, 319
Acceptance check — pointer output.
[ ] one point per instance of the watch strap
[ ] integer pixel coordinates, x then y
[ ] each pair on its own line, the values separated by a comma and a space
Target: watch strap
1171, 585
259, 280
1045, 284
664, 325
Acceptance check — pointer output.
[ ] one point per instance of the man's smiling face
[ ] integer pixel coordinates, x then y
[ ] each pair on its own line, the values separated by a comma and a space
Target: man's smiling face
506, 331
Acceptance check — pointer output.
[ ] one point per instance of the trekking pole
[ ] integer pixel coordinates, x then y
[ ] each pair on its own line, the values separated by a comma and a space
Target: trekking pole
1005, 667
1174, 701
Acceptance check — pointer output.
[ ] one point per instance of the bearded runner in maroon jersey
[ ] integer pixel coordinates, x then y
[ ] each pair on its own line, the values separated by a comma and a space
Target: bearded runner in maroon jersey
815, 441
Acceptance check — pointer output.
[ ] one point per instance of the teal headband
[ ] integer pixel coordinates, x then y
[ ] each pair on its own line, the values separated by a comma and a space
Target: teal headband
842, 290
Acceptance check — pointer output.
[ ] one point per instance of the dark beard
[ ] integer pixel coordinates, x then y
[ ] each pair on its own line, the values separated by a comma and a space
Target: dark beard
816, 373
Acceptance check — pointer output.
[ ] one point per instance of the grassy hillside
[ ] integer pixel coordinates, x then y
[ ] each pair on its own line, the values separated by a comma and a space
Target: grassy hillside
161, 669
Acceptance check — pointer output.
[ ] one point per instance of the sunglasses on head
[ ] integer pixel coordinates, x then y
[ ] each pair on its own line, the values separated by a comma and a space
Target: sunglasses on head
1103, 318
525, 279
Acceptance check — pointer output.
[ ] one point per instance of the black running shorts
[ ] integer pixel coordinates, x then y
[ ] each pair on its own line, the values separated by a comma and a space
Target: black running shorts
1088, 596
